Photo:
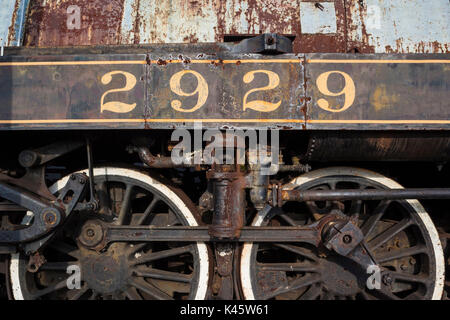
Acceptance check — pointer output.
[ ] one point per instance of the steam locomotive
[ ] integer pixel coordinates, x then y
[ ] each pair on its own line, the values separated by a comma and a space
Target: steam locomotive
224, 149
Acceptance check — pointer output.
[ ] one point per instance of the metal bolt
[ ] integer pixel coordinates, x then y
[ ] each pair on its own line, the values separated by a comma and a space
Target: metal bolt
81, 181
72, 177
387, 279
403, 267
319, 6
90, 233
49, 217
412, 261
347, 239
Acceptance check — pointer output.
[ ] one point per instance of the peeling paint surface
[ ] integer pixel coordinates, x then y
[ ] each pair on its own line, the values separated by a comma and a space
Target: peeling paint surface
47, 23
12, 21
318, 21
6, 15
341, 26
402, 26
177, 21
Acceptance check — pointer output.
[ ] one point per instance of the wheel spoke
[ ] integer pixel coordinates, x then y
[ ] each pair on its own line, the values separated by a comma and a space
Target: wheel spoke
153, 256
148, 210
355, 208
386, 294
413, 296
312, 294
297, 250
125, 207
172, 219
388, 234
294, 267
287, 219
132, 294
137, 247
77, 294
366, 296
163, 275
58, 286
332, 184
327, 296
295, 285
57, 266
66, 249
103, 197
400, 253
370, 223
150, 289
407, 277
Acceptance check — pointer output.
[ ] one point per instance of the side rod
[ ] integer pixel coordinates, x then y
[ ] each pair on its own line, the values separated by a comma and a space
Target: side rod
193, 234
367, 194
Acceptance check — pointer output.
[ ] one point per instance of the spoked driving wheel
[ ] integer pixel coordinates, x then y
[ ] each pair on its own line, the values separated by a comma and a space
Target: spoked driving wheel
135, 271
400, 236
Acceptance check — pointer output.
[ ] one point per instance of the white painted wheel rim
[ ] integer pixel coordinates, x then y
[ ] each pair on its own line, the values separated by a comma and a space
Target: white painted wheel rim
203, 273
245, 269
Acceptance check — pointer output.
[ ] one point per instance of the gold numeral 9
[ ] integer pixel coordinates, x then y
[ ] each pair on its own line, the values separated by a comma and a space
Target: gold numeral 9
201, 90
117, 106
348, 91
260, 105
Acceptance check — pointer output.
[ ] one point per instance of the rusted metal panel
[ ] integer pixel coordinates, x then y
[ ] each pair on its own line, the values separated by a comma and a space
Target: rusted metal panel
50, 23
12, 21
55, 92
180, 21
367, 26
149, 91
232, 87
318, 21
377, 91
378, 146
322, 41
401, 26
167, 90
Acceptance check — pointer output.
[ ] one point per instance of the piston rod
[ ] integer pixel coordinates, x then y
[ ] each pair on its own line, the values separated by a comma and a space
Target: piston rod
370, 194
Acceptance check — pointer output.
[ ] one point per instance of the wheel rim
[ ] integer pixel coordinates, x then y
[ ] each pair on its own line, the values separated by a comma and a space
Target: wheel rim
134, 271
410, 252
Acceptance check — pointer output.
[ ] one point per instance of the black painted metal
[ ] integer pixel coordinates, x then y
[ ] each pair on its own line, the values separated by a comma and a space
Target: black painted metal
39, 156
47, 215
69, 89
370, 194
193, 234
264, 43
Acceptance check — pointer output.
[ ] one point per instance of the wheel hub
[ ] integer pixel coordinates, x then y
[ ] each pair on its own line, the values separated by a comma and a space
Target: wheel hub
340, 277
91, 235
105, 273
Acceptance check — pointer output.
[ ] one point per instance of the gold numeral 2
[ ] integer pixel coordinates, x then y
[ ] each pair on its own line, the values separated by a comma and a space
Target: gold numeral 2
117, 106
260, 105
